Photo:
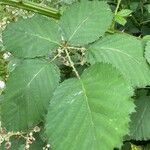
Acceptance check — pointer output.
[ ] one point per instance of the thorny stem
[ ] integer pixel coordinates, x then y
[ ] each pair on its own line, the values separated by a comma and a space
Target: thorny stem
31, 6
72, 63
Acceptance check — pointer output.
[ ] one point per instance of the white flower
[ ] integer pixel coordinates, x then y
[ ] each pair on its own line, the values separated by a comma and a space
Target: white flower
2, 84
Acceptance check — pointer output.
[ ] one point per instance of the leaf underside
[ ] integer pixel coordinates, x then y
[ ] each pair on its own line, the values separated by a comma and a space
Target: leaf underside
87, 112
27, 95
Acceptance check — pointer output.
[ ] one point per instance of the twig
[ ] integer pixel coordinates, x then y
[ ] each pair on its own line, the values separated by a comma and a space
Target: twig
31, 6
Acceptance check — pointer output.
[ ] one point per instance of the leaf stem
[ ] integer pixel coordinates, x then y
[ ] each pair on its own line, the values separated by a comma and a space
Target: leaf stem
115, 13
72, 63
31, 6
118, 4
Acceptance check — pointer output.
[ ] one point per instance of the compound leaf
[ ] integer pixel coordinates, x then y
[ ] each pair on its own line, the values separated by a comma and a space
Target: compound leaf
125, 52
87, 112
31, 37
85, 22
28, 91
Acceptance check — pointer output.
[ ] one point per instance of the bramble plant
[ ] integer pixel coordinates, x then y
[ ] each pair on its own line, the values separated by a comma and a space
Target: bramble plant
87, 107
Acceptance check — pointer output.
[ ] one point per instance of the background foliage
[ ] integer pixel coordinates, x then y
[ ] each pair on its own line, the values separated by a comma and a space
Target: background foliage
101, 53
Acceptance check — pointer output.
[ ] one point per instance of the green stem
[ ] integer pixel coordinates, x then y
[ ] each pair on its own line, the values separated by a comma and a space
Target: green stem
34, 7
118, 4
116, 11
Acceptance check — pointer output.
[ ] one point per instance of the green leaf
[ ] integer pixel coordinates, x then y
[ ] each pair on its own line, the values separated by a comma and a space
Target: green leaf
120, 20
147, 51
27, 95
124, 12
13, 63
139, 126
87, 112
125, 52
134, 6
120, 16
85, 22
28, 38
148, 7
145, 39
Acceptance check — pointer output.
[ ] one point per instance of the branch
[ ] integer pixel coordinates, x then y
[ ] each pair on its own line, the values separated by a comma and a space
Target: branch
34, 7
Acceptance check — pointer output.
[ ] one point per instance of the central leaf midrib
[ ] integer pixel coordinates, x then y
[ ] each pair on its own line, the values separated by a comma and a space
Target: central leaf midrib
35, 75
27, 85
88, 107
80, 25
121, 52
40, 37
141, 118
